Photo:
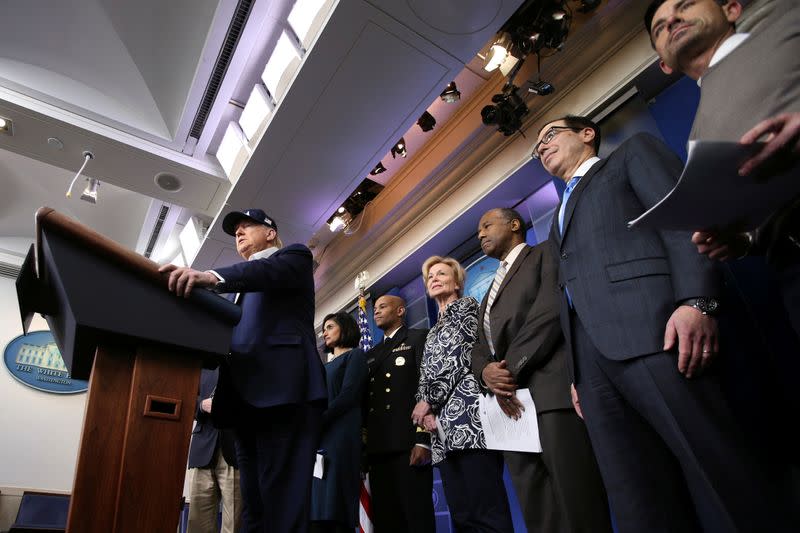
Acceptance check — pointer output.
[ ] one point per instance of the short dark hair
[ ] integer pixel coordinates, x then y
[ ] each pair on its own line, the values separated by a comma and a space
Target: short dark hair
349, 335
511, 215
651, 12
578, 123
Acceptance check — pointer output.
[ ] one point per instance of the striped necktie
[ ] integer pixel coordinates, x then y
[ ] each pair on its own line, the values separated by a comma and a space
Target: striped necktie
498, 280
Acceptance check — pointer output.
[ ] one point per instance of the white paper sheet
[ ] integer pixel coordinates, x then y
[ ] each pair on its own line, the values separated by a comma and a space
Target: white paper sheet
505, 433
319, 466
711, 194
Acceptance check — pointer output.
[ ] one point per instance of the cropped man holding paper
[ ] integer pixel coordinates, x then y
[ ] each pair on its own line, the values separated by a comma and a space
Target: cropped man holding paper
750, 89
520, 344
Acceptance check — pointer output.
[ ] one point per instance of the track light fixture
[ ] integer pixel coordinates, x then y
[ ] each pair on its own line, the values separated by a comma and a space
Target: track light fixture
5, 125
399, 149
589, 5
426, 122
451, 94
89, 194
379, 169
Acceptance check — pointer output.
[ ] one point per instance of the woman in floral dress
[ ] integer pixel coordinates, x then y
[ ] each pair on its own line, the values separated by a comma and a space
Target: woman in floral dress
447, 406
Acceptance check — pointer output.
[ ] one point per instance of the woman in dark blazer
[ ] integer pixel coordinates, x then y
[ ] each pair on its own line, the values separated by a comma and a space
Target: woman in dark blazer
447, 406
334, 503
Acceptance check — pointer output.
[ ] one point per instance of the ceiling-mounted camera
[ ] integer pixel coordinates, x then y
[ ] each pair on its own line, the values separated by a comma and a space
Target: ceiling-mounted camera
507, 112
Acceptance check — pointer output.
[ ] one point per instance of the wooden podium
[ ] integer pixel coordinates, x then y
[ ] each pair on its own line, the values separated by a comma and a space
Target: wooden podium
142, 348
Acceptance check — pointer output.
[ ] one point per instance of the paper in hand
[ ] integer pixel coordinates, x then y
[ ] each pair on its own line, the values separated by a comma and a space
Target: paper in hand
711, 194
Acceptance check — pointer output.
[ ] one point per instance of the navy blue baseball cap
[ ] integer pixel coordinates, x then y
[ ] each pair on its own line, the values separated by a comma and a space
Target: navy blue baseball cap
233, 218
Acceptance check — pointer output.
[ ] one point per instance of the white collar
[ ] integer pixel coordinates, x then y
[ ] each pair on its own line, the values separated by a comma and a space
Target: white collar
586, 166
263, 254
512, 255
390, 335
728, 45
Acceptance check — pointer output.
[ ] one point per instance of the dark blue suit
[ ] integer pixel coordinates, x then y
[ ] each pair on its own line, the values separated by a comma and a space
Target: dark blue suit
206, 437
272, 388
668, 448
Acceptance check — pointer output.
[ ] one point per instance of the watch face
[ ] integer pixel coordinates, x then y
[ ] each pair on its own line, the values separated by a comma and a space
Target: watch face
708, 305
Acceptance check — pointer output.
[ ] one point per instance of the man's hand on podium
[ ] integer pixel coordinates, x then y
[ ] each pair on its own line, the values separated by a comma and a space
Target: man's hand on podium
183, 279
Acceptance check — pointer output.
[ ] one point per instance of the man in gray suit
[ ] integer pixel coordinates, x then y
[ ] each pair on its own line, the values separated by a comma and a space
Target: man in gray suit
750, 88
520, 344
638, 310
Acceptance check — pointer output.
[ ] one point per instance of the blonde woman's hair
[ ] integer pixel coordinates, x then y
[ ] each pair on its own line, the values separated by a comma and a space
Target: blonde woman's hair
458, 271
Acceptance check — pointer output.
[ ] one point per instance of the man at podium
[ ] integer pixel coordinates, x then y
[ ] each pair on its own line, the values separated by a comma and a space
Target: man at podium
272, 387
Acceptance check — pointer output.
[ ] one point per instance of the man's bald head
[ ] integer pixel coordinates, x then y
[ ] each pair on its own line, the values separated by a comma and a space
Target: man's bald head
389, 312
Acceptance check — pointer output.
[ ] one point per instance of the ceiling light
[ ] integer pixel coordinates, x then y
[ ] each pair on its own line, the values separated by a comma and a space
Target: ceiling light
451, 93
426, 122
379, 169
558, 14
588, 5
89, 194
255, 112
498, 52
191, 237
231, 149
5, 125
284, 56
302, 16
399, 149
339, 222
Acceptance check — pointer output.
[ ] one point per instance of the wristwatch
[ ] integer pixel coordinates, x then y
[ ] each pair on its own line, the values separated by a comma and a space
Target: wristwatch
707, 306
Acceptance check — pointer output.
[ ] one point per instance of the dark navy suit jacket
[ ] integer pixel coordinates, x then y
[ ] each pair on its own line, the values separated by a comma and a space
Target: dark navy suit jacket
205, 437
625, 283
274, 358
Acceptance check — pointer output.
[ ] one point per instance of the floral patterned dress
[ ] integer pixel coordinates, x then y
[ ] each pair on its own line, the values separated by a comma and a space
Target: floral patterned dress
446, 381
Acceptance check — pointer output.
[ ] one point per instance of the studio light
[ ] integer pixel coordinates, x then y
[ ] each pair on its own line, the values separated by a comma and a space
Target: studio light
426, 122
379, 169
498, 52
588, 5
399, 149
451, 93
89, 194
339, 221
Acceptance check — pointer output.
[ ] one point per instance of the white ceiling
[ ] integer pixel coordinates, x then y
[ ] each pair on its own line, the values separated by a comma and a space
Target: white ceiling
124, 79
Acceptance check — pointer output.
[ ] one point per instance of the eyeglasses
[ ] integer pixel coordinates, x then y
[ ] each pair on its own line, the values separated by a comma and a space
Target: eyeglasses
549, 136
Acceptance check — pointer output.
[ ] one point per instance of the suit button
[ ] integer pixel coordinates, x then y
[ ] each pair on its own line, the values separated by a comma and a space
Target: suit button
388, 375
388, 406
388, 390
371, 409
564, 256
371, 380
371, 393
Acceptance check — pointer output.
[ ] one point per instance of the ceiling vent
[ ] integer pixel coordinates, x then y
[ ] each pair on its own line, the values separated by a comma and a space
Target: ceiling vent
151, 243
7, 270
238, 21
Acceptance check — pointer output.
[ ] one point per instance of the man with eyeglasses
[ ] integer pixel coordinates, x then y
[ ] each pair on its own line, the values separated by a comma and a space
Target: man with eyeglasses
638, 311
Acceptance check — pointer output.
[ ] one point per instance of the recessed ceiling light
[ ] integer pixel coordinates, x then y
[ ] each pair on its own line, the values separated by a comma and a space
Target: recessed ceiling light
284, 57
255, 112
168, 182
5, 125
55, 142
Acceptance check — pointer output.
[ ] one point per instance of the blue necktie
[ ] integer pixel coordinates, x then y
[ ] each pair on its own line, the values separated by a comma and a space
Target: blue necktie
571, 184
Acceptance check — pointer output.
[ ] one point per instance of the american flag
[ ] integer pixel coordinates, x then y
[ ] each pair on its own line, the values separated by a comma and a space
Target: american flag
363, 325
364, 500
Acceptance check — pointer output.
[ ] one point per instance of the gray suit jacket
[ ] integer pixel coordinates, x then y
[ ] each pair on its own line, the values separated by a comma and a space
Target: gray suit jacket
759, 79
526, 332
626, 283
